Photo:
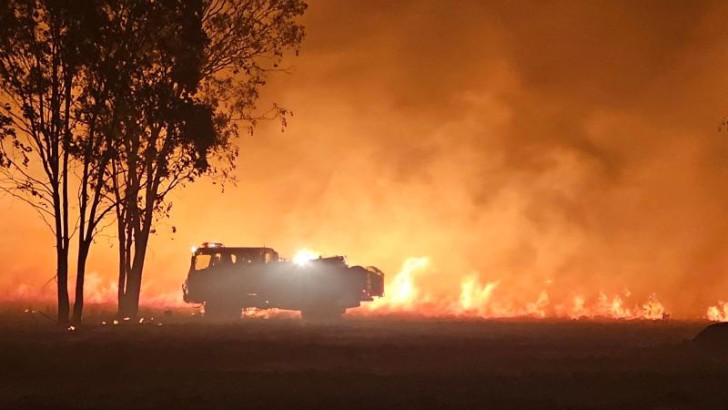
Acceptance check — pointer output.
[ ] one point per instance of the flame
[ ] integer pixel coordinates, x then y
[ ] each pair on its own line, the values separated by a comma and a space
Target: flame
492, 299
613, 307
537, 308
719, 312
578, 309
407, 293
401, 292
653, 309
474, 298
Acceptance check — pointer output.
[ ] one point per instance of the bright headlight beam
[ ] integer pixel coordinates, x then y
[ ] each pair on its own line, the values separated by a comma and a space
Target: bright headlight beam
304, 256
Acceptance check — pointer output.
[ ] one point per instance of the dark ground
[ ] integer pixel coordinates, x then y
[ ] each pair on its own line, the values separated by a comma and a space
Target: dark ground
361, 363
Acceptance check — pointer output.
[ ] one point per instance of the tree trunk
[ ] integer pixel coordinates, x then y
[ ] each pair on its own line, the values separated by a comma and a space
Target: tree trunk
134, 277
80, 278
131, 296
62, 283
61, 258
121, 287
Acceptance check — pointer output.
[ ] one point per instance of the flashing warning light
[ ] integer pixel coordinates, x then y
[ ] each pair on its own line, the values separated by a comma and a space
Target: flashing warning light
212, 245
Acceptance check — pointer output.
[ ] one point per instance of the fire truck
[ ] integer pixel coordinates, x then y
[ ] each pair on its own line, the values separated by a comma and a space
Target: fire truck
229, 279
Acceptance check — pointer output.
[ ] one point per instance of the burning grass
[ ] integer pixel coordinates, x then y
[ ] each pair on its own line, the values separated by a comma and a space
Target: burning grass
406, 295
490, 299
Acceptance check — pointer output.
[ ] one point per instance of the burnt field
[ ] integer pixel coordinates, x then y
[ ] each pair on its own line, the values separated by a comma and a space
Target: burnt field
358, 363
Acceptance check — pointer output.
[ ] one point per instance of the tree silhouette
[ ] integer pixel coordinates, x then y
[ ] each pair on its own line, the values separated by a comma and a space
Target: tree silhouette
125, 101
197, 81
51, 102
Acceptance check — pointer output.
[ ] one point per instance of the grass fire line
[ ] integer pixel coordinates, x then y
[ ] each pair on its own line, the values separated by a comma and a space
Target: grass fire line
407, 294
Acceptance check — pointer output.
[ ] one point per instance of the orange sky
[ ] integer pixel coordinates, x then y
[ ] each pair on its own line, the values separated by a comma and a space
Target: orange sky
566, 146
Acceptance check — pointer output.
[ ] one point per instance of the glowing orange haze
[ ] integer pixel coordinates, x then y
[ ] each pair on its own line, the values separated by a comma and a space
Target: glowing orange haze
556, 159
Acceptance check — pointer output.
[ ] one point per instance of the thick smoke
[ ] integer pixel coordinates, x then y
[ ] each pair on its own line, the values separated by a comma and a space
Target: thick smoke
572, 147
